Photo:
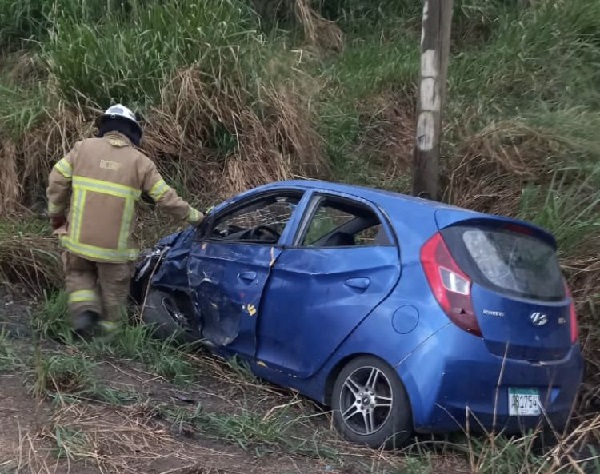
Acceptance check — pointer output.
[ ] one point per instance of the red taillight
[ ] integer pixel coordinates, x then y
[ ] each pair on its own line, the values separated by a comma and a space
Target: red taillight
450, 286
572, 317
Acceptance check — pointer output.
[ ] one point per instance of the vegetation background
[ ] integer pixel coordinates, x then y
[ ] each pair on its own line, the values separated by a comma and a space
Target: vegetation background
236, 93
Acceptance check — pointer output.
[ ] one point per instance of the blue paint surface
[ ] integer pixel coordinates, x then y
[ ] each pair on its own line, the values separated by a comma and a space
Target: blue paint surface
297, 314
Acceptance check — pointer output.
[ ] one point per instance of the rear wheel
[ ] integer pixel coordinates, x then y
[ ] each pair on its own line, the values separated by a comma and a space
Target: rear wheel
370, 404
161, 311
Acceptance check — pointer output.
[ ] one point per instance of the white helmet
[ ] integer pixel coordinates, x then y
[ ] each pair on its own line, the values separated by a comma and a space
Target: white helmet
119, 111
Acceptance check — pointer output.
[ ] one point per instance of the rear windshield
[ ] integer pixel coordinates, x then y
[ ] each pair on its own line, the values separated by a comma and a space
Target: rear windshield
508, 262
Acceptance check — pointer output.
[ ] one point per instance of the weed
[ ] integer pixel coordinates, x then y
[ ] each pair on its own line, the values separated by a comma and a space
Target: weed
71, 443
28, 255
52, 320
502, 455
70, 378
136, 343
241, 369
569, 211
21, 108
9, 360
278, 431
129, 342
173, 366
128, 58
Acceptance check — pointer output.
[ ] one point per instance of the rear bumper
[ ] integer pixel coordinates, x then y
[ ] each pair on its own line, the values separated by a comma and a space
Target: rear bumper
457, 384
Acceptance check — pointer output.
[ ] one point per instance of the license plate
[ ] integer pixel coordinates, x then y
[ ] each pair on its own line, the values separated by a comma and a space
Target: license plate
524, 402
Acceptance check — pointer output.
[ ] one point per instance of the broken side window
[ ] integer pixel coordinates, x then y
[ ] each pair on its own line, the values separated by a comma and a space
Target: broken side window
260, 221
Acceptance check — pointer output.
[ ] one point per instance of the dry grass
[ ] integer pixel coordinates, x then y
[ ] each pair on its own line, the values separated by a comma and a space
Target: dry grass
388, 126
26, 163
138, 438
222, 145
10, 189
127, 440
211, 141
318, 31
493, 166
27, 257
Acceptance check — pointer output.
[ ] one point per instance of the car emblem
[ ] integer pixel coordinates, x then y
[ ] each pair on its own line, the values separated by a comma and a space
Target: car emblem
538, 319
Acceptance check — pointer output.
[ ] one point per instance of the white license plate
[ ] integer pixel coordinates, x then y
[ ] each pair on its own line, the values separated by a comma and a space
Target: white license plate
524, 402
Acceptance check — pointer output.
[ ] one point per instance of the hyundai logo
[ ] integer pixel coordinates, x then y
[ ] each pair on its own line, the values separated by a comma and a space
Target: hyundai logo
538, 319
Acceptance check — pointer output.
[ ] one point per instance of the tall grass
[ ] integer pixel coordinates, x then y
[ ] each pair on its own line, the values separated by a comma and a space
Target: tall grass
547, 53
570, 211
128, 58
21, 108
25, 21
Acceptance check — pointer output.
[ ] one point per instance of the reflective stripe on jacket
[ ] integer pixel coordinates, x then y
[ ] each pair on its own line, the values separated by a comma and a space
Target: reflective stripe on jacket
101, 180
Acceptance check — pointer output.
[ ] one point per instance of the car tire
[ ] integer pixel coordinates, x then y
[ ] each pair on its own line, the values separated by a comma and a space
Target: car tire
370, 404
160, 312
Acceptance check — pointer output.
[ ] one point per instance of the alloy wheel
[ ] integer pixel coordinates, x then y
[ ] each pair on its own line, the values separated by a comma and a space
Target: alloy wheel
366, 400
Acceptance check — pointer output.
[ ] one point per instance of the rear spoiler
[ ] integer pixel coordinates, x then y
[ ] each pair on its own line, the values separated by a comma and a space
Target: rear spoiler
455, 216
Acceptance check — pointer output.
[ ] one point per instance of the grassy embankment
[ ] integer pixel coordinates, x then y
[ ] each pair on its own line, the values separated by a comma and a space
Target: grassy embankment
235, 98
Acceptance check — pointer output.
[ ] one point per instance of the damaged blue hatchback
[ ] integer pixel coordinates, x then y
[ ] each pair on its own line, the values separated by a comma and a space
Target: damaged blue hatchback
401, 314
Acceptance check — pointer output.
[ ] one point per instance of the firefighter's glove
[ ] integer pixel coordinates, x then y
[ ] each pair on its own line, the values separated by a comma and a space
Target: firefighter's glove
195, 217
57, 222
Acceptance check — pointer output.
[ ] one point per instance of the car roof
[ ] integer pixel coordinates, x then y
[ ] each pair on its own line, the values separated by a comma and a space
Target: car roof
396, 203
380, 197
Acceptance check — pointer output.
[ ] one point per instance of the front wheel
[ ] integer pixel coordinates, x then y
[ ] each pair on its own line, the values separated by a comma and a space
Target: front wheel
161, 312
370, 404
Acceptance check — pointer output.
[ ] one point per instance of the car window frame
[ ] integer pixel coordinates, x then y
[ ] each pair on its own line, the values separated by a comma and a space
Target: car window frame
211, 220
314, 204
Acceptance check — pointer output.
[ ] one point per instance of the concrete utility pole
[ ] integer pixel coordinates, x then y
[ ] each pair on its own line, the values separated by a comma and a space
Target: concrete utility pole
435, 49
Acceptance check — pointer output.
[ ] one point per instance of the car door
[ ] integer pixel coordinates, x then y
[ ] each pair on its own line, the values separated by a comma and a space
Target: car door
230, 264
343, 263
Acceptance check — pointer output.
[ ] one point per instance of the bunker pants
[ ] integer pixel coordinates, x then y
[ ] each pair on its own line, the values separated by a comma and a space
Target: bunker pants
96, 286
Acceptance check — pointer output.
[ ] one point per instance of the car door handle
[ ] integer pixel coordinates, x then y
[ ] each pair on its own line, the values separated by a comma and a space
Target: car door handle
247, 276
358, 283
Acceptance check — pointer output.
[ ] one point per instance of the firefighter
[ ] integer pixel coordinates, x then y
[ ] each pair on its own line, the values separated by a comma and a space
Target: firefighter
92, 195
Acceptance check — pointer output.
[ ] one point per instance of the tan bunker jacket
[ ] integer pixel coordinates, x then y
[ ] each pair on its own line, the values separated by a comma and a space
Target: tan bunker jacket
101, 180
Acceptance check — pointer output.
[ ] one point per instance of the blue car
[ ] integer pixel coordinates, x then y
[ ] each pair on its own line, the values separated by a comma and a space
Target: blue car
401, 314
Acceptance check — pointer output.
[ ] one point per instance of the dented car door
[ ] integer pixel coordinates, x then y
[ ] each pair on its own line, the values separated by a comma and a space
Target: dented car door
343, 263
230, 263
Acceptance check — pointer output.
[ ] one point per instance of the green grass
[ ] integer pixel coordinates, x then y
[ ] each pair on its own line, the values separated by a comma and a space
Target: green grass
544, 54
129, 58
570, 212
242, 370
33, 20
9, 357
72, 443
137, 344
132, 342
280, 431
21, 108
52, 320
376, 64
71, 378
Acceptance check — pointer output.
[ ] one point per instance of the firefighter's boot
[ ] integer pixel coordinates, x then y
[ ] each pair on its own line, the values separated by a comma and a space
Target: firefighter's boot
84, 323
